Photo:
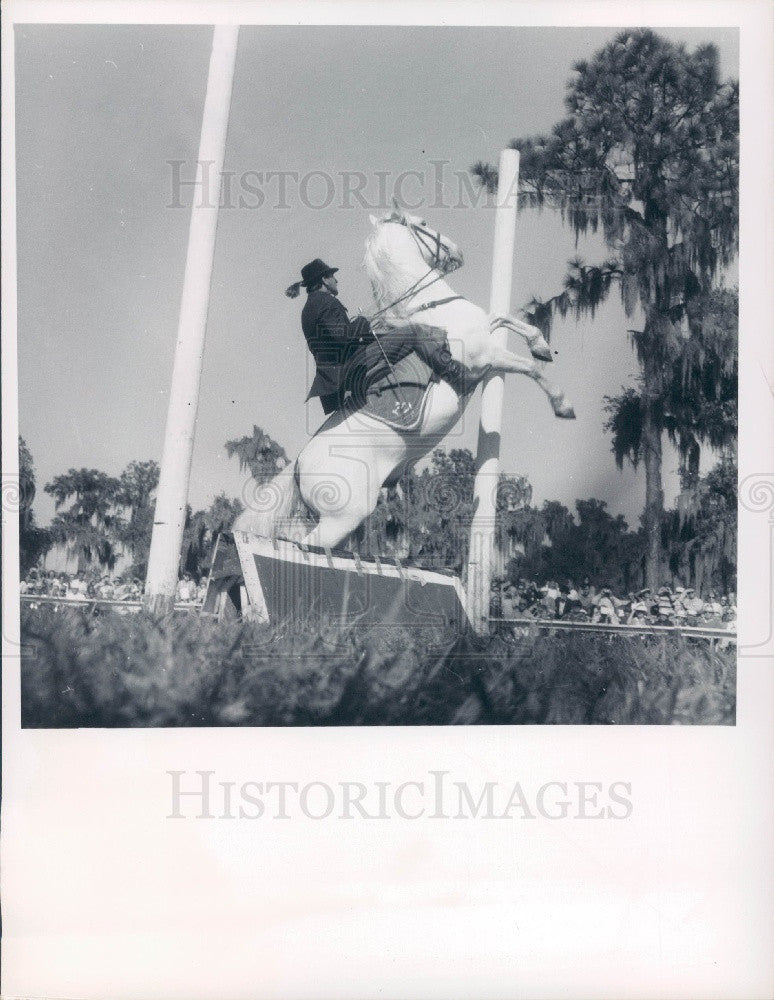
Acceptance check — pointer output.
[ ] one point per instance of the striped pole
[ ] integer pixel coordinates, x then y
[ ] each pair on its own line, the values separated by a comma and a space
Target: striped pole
172, 494
482, 529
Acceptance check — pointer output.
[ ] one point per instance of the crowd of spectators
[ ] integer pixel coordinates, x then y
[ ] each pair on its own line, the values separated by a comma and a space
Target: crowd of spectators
523, 599
93, 586
587, 603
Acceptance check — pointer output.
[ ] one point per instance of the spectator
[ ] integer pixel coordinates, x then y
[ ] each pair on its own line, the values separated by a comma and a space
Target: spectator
507, 594
531, 596
201, 591
624, 606
586, 597
186, 589
693, 605
550, 595
639, 612
573, 598
713, 605
562, 601
690, 600
605, 611
665, 606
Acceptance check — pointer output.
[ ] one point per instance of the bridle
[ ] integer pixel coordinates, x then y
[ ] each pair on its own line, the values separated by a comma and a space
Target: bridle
429, 241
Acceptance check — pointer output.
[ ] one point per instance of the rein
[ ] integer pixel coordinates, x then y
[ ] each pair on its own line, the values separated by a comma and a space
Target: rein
412, 290
437, 302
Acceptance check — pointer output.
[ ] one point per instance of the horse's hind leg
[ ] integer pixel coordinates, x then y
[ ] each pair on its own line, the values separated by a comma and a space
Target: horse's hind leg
560, 404
538, 346
343, 486
339, 522
501, 359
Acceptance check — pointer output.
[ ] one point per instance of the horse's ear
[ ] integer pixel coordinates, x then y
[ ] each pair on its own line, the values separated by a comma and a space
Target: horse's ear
396, 206
373, 220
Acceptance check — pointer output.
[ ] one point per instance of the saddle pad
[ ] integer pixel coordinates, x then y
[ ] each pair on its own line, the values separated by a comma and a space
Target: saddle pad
398, 398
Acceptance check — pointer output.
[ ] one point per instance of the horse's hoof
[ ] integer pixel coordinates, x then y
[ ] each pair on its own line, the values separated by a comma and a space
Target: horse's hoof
539, 349
563, 408
542, 352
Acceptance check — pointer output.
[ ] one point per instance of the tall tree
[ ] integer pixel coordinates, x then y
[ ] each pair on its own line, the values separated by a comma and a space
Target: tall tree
33, 540
202, 529
597, 545
698, 397
258, 453
649, 153
90, 526
431, 514
701, 531
136, 487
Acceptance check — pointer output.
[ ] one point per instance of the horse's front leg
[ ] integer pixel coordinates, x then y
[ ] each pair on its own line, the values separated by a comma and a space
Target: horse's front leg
503, 360
538, 346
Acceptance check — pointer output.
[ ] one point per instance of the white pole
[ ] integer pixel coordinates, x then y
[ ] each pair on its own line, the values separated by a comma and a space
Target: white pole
172, 495
482, 529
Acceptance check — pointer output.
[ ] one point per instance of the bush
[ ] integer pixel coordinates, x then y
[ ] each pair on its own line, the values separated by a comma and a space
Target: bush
130, 670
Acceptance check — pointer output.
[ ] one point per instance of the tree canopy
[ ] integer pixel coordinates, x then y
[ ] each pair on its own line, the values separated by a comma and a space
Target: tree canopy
648, 154
34, 541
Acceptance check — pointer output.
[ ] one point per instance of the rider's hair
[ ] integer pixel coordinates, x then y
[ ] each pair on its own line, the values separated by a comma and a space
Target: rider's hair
293, 291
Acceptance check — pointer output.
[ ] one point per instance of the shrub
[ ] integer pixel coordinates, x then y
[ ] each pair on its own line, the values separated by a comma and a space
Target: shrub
130, 670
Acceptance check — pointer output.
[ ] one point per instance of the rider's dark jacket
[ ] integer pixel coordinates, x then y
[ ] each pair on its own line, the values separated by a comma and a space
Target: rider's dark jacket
347, 355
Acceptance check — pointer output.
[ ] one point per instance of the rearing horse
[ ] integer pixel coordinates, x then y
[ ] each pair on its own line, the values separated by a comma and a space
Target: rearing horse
342, 468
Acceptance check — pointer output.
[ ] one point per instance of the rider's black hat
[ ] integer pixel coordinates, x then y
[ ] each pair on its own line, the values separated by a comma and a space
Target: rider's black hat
311, 273
314, 271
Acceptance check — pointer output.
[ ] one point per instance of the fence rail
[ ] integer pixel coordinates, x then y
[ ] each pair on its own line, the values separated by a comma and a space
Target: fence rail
689, 631
91, 603
544, 624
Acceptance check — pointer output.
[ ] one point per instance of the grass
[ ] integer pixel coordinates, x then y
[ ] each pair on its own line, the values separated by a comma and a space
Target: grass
131, 671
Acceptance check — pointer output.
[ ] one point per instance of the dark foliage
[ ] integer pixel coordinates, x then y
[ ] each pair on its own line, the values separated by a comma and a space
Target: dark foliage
649, 155
115, 671
34, 541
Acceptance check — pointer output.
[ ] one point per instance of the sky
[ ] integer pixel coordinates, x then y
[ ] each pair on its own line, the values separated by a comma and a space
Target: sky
107, 126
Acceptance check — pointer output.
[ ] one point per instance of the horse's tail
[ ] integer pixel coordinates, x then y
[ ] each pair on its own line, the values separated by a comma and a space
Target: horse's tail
275, 508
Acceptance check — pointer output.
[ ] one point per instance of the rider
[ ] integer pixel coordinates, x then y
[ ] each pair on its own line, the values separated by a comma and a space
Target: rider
346, 351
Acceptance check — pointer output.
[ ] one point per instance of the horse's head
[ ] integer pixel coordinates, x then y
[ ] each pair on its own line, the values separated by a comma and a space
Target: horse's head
437, 251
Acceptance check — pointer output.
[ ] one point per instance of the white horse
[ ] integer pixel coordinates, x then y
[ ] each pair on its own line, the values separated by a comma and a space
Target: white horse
343, 467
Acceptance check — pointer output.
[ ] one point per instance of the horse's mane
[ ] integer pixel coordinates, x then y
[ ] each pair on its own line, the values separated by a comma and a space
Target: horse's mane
393, 264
